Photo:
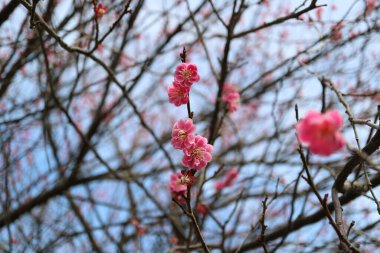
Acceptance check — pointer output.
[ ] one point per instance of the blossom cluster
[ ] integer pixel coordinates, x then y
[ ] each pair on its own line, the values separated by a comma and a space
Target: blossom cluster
320, 132
184, 76
197, 153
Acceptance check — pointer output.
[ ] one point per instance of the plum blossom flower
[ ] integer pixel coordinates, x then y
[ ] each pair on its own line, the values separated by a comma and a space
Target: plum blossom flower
186, 74
198, 155
320, 132
175, 185
183, 134
100, 10
178, 95
231, 96
228, 181
181, 180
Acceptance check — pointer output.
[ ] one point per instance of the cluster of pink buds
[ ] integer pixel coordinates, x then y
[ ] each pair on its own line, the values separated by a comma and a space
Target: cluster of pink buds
196, 150
231, 96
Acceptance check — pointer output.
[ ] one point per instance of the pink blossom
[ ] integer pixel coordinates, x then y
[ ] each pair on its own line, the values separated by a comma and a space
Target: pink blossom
321, 132
186, 74
176, 185
198, 155
229, 88
178, 95
231, 96
220, 185
100, 10
233, 101
183, 134
319, 13
371, 5
231, 176
336, 33
228, 181
180, 181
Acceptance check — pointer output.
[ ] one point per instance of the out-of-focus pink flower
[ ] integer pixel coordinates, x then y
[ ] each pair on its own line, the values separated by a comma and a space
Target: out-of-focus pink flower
230, 178
220, 185
229, 88
336, 34
231, 96
319, 13
321, 132
284, 34
233, 101
371, 5
186, 74
198, 155
100, 10
178, 95
183, 134
201, 209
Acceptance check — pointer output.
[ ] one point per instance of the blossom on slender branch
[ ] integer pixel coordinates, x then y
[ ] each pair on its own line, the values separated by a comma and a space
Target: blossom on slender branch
178, 95
320, 132
231, 96
179, 183
183, 134
100, 10
175, 185
186, 74
198, 155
